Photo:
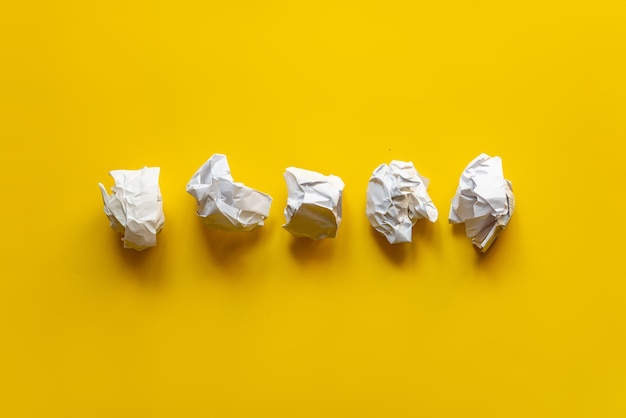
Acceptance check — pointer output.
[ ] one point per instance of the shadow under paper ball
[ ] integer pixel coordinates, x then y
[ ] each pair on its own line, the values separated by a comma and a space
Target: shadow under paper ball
396, 253
147, 265
458, 230
307, 251
228, 249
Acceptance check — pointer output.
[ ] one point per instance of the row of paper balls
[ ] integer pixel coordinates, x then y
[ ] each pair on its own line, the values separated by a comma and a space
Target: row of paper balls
396, 198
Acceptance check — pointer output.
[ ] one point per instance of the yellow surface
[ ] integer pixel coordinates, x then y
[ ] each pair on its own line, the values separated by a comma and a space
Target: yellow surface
261, 324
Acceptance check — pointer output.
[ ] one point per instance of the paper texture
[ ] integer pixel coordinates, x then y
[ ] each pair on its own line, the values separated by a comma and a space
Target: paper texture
313, 205
224, 204
135, 208
396, 199
484, 201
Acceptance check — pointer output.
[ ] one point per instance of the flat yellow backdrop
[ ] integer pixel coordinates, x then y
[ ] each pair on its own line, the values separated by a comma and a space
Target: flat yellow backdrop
265, 325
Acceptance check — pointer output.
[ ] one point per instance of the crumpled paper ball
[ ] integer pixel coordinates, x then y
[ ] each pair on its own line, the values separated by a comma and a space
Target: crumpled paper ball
135, 208
313, 205
396, 199
484, 201
224, 204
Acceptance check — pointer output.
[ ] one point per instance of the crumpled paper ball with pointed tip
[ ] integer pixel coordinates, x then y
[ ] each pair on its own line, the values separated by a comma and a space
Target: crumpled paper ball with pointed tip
484, 201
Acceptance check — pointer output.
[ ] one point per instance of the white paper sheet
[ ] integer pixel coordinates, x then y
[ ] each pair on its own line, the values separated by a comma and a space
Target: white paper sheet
314, 203
484, 201
224, 204
396, 199
135, 208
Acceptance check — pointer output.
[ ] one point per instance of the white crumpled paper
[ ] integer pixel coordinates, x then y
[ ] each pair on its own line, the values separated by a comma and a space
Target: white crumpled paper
396, 199
484, 201
135, 208
224, 204
313, 205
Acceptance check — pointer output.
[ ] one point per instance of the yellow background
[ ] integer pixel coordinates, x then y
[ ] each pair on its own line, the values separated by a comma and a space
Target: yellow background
262, 324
